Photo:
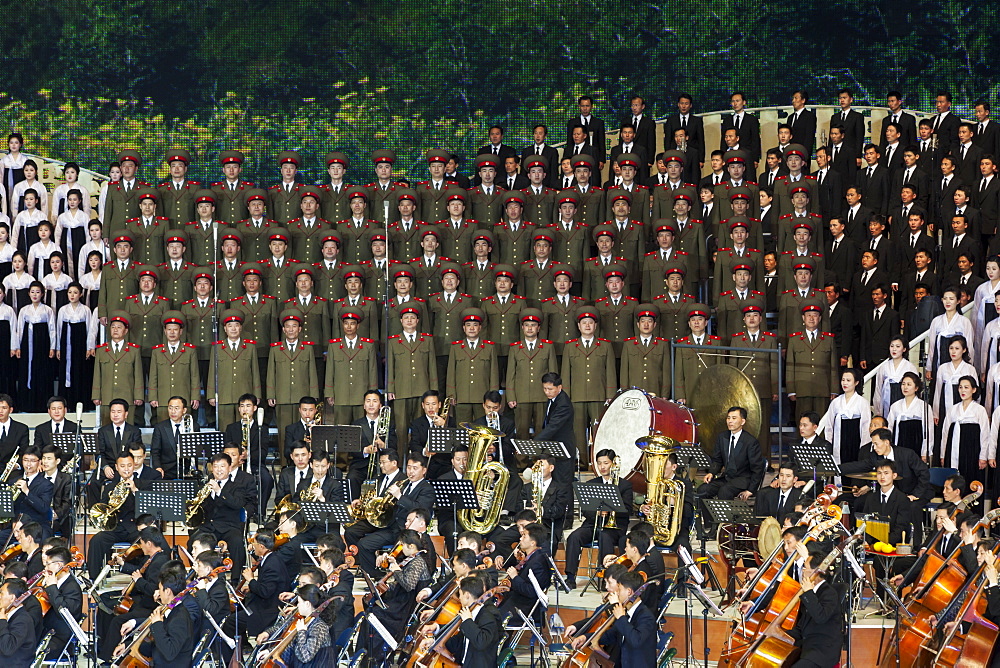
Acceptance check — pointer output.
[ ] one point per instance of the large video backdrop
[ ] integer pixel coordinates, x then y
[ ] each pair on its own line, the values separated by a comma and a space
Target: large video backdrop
82, 80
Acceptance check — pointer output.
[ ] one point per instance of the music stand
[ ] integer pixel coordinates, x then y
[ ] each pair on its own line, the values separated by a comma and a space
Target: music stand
6, 503
459, 495
707, 605
324, 513
444, 439
538, 448
692, 456
815, 458
179, 490
344, 437
191, 446
67, 443
734, 511
595, 499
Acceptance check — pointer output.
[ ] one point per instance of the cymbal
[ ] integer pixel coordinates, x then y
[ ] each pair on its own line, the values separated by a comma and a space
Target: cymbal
867, 475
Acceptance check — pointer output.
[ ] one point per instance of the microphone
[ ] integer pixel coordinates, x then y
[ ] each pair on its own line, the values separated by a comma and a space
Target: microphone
260, 416
79, 412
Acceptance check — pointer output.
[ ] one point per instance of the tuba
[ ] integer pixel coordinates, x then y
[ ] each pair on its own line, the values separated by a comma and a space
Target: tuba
489, 479
105, 515
664, 497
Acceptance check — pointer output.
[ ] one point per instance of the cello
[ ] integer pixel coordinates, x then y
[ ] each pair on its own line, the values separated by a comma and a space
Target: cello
973, 647
774, 647
592, 651
428, 652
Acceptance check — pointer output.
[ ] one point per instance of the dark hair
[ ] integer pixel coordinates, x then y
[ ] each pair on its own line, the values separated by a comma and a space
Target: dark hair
496, 127
306, 400
210, 558
818, 551
416, 458
334, 556
606, 452
378, 394
391, 453
265, 537
465, 556
15, 586
631, 580
422, 513
222, 457
640, 540
493, 397
552, 378
916, 380
739, 409
526, 515
409, 537
886, 463
858, 377
32, 450
428, 394
311, 594
313, 575
60, 554
472, 537
883, 435
473, 586
152, 534
799, 532
248, 396
53, 450
299, 445
958, 483
537, 533
33, 529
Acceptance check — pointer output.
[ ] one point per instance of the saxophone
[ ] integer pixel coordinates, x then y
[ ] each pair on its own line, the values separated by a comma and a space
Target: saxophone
194, 514
105, 515
665, 497
369, 487
245, 424
490, 481
615, 470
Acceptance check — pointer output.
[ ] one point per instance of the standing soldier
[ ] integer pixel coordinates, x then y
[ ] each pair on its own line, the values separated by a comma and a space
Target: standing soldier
760, 368
616, 311
382, 191
404, 234
201, 232
446, 308
307, 230
329, 272
812, 365
433, 193
503, 310
535, 282
291, 373
177, 192
739, 252
690, 237
145, 313
791, 301
596, 267
479, 274
377, 270
559, 311
674, 304
664, 194
231, 192
689, 362
284, 197
427, 265
235, 357
173, 370
457, 231
472, 367
629, 163
279, 269
513, 234
176, 273
589, 199
256, 229
402, 281
335, 205
412, 368
351, 367
631, 234
486, 199
739, 199
730, 306
117, 368
119, 278
260, 316
122, 201
200, 316
539, 200
315, 313
572, 240
646, 357
370, 324
655, 263
588, 372
527, 361
148, 230
355, 230
229, 269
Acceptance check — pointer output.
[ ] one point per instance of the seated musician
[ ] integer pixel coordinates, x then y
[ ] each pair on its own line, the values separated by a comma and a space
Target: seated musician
29, 537
203, 541
164, 449
418, 520
64, 592
294, 477
248, 482
211, 594
818, 628
358, 462
328, 490
298, 430
430, 403
533, 558
737, 469
493, 412
579, 631
137, 451
19, 571
607, 537
262, 583
687, 512
125, 529
458, 462
505, 539
144, 587
970, 533
18, 635
556, 498
224, 509
414, 492
342, 592
778, 501
649, 562
632, 636
290, 523
479, 633
256, 450
171, 638
463, 562
913, 476
34, 496
407, 577
790, 538
313, 643
62, 488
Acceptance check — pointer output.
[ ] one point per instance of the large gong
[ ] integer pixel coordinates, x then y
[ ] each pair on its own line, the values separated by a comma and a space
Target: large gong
720, 387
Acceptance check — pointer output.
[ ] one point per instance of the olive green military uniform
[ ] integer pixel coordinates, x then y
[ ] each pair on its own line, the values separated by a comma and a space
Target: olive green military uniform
560, 320
335, 204
260, 320
405, 243
446, 322
786, 273
231, 199
351, 370
177, 203
654, 266
315, 325
146, 321
726, 259
761, 369
617, 320
427, 276
122, 204
307, 241
117, 285
378, 199
176, 285
376, 278
594, 269
471, 374
256, 238
646, 365
291, 375
229, 280
535, 281
371, 326
630, 239
486, 207
785, 230
117, 376
199, 331
283, 202
572, 246
590, 205
539, 207
812, 370
201, 247
638, 203
689, 363
239, 372
393, 309
456, 242
149, 246
503, 322
790, 305
514, 245
590, 378
690, 239
280, 281
176, 374
479, 281
412, 369
672, 322
356, 239
729, 310
330, 279
526, 364
783, 192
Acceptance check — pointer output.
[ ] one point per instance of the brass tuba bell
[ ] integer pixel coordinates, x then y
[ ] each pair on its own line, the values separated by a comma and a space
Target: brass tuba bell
489, 479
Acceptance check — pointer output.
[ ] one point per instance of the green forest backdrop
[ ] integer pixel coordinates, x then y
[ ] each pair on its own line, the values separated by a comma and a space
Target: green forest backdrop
83, 79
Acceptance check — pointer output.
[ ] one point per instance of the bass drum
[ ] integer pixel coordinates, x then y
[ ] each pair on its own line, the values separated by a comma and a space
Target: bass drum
635, 414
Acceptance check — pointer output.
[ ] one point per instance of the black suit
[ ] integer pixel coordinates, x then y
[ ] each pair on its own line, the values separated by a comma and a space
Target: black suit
595, 139
842, 262
861, 294
908, 129
296, 431
43, 432
35, 506
803, 128
842, 328
476, 643
818, 629
504, 151
62, 503
768, 502
607, 538
107, 442
988, 139
15, 442
914, 476
226, 515
272, 579
633, 639
919, 179
891, 160
943, 201
897, 510
555, 506
831, 193
558, 426
255, 454
520, 181
899, 228
906, 286
291, 481
69, 595
856, 225
947, 131
968, 167
695, 131
18, 639
110, 629
853, 128
415, 495
844, 160
637, 149
214, 601
124, 532
749, 134
522, 593
968, 246
875, 336
438, 463
357, 463
163, 449
550, 154
744, 467
874, 188
988, 203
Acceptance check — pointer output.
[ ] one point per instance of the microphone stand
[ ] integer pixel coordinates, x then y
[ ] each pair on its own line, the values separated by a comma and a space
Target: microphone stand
74, 483
215, 322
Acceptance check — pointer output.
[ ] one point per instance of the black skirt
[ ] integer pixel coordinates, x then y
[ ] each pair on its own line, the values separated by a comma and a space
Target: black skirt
850, 439
27, 238
8, 364
76, 371
11, 178
968, 451
910, 434
71, 243
21, 299
37, 372
6, 269
91, 298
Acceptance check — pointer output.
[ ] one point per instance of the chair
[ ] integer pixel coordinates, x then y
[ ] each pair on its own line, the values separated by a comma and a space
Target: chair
593, 565
939, 475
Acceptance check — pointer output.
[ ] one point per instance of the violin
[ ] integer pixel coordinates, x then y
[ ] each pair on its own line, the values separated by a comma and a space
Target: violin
10, 555
484, 560
38, 587
623, 560
396, 552
279, 540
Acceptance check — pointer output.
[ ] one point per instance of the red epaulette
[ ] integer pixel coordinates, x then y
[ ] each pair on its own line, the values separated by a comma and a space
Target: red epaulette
771, 334
788, 291
794, 334
394, 336
605, 340
726, 249
631, 338
276, 343
217, 183
217, 343
727, 293
787, 215
252, 341
426, 334
131, 220
686, 339
103, 345
131, 297
366, 340
160, 218
162, 345
294, 220
190, 301
809, 177
133, 345
713, 337
689, 297
308, 343
828, 334
756, 292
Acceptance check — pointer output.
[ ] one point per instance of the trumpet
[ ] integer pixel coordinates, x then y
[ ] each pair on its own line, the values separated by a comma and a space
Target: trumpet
615, 470
245, 424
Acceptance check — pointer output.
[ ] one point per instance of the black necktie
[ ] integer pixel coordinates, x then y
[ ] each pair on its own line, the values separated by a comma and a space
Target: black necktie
732, 446
118, 438
177, 434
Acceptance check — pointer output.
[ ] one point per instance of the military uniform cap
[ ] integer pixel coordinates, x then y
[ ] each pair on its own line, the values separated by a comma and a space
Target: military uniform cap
451, 268
796, 149
474, 314
752, 308
799, 189
514, 196
437, 155
486, 160
406, 194
587, 312
485, 235
567, 197
736, 156
289, 156
204, 195
337, 157
401, 272
505, 270
307, 271
147, 270
621, 193
119, 236
584, 160
309, 191
278, 234
120, 316
148, 193
291, 314
177, 318
543, 235
743, 265
231, 155
176, 236
531, 314
409, 309
181, 154
232, 315
205, 275
674, 156
456, 193
647, 310
739, 221
740, 192
332, 235
812, 308
804, 264
802, 223
351, 313
383, 155
661, 224
231, 233
684, 193
357, 192
130, 154
562, 269
603, 230
376, 235
699, 309
614, 272
536, 161
628, 160
674, 268
253, 271
256, 193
